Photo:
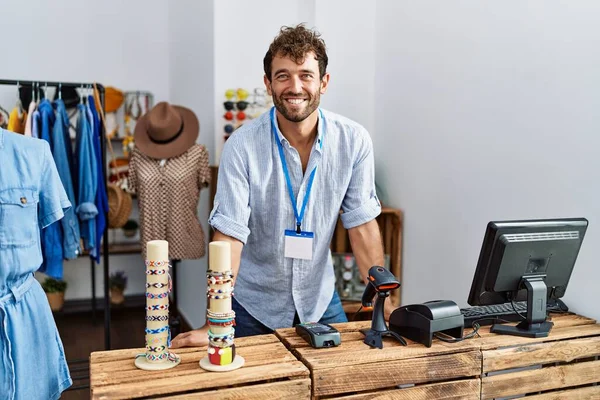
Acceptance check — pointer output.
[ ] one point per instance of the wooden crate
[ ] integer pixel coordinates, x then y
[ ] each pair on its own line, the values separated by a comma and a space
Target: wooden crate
354, 370
270, 372
563, 365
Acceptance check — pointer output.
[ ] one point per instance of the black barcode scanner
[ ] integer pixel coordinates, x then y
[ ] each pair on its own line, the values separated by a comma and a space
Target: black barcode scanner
379, 282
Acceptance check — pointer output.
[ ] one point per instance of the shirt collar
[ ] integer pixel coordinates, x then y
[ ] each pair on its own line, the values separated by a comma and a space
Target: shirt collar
320, 129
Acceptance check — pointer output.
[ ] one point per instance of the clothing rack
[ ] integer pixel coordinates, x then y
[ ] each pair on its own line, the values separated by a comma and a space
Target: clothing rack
105, 249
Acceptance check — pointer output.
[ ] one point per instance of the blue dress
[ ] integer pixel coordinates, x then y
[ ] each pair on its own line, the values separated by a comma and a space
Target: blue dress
32, 359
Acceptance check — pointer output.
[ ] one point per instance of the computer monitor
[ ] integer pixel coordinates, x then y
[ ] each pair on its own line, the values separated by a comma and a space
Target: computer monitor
528, 260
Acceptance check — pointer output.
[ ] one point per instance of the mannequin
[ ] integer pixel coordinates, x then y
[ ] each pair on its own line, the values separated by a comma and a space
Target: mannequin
167, 171
32, 197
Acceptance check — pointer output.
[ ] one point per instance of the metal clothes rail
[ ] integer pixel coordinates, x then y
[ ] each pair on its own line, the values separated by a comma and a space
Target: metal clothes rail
39, 84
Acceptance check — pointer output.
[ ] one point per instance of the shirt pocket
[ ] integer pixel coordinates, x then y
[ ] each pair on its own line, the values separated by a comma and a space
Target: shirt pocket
18, 217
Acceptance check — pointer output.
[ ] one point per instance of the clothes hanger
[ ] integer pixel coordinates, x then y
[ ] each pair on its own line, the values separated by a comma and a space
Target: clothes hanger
135, 102
19, 104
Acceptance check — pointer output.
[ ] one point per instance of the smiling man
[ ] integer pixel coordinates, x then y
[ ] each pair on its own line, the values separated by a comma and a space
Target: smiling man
283, 179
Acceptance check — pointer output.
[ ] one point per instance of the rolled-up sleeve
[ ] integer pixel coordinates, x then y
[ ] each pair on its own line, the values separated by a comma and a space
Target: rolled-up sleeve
87, 210
361, 204
231, 210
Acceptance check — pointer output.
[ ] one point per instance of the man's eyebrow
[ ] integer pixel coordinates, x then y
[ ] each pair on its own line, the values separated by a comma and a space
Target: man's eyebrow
287, 71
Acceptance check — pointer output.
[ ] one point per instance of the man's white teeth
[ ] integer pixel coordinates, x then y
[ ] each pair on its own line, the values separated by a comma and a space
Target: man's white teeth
295, 101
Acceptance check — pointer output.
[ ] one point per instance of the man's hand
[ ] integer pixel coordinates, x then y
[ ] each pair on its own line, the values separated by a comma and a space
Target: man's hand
195, 338
388, 307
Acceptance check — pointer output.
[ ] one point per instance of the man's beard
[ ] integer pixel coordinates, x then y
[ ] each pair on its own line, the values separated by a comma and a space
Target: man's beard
296, 116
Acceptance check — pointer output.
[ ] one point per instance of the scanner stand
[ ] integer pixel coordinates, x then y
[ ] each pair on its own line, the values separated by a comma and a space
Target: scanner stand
374, 336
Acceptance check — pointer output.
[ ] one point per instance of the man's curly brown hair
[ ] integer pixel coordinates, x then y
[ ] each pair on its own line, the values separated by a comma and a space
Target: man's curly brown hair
295, 43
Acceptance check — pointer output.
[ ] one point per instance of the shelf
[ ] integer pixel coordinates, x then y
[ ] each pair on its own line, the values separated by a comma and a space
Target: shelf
113, 139
116, 139
85, 305
125, 248
121, 248
351, 306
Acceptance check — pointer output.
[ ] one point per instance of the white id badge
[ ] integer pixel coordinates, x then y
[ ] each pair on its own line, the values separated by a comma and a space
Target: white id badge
299, 245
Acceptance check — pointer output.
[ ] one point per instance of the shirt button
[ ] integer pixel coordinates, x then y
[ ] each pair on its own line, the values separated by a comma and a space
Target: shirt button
23, 200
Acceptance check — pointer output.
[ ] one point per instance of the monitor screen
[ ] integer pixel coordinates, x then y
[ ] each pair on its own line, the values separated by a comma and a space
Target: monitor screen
513, 250
528, 260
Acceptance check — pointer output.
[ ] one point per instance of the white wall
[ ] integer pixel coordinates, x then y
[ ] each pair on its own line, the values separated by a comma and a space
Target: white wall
192, 70
486, 113
351, 53
117, 43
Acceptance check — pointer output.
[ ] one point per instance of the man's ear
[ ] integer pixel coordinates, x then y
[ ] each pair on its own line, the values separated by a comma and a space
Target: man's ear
268, 85
324, 83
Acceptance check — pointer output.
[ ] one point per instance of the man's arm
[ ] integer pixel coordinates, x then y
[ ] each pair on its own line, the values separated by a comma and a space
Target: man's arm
366, 246
199, 337
236, 251
368, 251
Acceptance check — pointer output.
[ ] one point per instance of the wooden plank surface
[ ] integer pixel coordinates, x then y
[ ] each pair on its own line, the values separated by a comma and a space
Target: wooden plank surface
104, 374
358, 353
468, 389
113, 374
353, 351
115, 355
378, 375
563, 329
199, 380
296, 389
540, 353
560, 377
587, 393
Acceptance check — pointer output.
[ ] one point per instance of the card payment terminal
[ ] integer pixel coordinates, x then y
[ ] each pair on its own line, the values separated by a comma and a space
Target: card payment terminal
319, 335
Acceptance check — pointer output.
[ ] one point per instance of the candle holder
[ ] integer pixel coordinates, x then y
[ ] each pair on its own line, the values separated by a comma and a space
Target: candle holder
220, 317
158, 286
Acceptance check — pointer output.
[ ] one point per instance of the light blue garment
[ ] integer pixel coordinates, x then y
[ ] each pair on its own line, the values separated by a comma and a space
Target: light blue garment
101, 196
52, 236
35, 124
252, 204
62, 153
32, 359
87, 181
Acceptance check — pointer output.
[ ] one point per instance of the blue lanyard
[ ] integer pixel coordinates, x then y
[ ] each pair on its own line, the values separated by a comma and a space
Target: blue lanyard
300, 216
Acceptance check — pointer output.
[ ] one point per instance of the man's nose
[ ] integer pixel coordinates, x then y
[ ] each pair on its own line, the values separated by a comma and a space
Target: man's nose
296, 85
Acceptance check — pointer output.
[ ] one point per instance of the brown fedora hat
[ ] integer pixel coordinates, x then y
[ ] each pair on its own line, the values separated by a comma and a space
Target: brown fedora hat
166, 131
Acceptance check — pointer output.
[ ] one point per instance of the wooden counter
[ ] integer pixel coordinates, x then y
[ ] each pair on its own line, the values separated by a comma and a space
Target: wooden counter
566, 359
563, 365
270, 372
354, 370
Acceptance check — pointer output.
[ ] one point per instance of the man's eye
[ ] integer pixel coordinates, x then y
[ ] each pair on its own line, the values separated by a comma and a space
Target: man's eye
281, 77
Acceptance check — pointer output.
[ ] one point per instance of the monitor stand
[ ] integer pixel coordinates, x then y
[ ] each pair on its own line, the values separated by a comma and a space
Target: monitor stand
535, 325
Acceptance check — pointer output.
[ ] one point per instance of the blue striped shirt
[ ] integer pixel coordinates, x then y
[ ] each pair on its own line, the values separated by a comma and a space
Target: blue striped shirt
253, 205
